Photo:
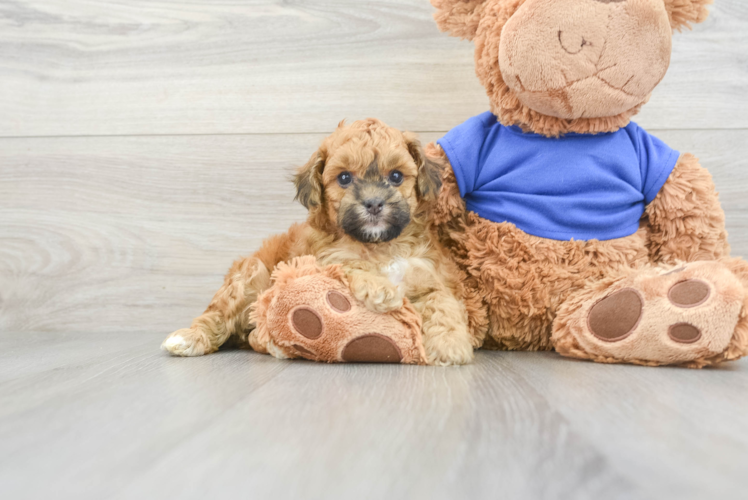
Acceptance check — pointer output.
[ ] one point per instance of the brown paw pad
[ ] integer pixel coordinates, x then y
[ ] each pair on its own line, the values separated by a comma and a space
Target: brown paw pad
338, 302
689, 293
307, 322
684, 333
372, 348
616, 316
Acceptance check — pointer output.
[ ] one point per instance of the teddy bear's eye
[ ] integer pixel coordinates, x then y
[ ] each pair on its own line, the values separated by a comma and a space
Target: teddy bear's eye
345, 179
396, 177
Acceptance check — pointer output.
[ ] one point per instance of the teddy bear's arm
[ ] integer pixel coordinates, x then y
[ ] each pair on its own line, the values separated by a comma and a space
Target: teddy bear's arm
686, 220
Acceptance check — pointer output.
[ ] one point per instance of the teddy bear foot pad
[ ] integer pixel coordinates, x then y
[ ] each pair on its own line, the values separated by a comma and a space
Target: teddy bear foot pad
658, 317
314, 316
367, 348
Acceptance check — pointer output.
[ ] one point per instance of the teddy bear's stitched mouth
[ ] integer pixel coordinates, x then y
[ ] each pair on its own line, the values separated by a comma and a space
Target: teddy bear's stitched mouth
562, 97
569, 83
593, 75
617, 88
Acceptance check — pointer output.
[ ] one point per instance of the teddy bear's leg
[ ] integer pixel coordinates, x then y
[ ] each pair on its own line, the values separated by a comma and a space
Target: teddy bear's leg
309, 312
693, 314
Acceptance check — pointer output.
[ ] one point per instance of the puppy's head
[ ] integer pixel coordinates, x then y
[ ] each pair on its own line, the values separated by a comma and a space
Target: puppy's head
368, 181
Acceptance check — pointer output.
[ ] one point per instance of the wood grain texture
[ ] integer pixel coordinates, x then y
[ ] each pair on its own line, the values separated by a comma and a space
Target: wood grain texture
145, 144
92, 416
128, 67
88, 220
106, 234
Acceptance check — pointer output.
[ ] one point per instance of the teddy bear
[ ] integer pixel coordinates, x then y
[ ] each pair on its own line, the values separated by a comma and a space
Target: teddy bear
582, 232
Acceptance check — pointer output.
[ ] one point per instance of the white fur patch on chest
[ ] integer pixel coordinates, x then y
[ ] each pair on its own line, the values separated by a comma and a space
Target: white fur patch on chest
396, 270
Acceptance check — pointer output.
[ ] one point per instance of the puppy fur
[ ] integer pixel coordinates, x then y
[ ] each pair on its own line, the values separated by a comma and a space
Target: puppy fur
372, 221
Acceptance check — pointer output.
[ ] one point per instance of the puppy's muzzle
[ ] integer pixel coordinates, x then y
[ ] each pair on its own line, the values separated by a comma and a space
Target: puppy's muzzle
373, 212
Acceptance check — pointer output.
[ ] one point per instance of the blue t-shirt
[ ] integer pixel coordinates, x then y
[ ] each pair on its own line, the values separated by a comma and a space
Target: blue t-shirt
578, 186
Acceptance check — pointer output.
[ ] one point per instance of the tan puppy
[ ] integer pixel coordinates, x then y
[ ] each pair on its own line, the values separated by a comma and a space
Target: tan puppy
368, 189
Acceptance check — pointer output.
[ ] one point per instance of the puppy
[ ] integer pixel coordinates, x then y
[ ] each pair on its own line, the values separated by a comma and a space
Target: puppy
368, 190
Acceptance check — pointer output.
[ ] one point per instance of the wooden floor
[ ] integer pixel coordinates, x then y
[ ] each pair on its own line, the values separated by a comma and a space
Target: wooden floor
109, 416
145, 144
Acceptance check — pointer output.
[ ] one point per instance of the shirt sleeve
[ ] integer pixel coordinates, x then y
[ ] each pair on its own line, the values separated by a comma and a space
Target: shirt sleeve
462, 146
657, 160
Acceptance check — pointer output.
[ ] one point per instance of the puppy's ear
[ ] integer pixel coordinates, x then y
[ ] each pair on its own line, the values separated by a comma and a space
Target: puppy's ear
308, 181
429, 172
684, 12
459, 17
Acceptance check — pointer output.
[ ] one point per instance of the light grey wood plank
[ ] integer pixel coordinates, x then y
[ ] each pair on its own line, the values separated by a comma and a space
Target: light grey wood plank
637, 416
187, 428
129, 216
136, 423
31, 353
384, 432
106, 234
75, 67
90, 426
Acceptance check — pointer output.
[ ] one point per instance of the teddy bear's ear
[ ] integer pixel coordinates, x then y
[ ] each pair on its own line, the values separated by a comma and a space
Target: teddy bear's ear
460, 17
685, 12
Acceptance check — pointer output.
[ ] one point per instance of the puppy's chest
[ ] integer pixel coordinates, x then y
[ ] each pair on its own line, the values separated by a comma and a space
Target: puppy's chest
412, 274
396, 270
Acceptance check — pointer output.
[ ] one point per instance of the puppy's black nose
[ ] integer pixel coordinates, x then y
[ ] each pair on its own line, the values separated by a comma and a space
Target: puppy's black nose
374, 205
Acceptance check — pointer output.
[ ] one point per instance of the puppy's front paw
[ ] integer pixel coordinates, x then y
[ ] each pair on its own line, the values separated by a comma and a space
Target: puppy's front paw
187, 342
448, 352
447, 343
377, 293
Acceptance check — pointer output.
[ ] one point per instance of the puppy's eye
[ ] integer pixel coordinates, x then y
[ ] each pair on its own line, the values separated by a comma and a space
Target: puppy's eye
345, 179
396, 177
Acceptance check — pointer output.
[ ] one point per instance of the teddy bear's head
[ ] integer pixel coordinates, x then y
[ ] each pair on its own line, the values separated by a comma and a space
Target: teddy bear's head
557, 66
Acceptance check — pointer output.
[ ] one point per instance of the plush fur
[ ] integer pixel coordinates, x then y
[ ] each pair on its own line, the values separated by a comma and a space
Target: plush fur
538, 293
303, 283
387, 256
484, 22
683, 13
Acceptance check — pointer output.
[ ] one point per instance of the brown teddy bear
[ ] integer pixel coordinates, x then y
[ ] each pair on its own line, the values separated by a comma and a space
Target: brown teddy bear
582, 232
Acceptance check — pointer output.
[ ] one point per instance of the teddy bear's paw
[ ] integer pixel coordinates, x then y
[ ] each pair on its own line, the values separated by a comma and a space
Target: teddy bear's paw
317, 318
654, 317
187, 342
